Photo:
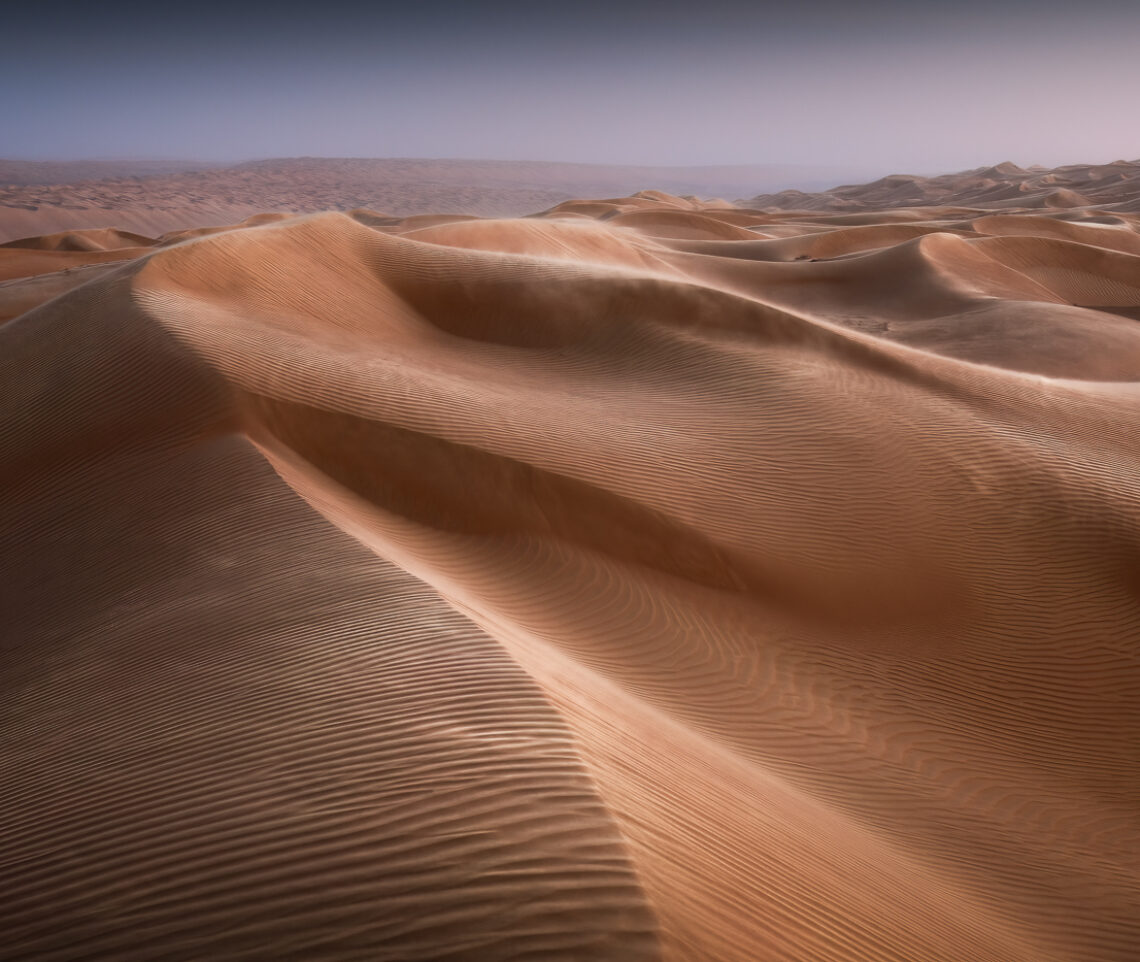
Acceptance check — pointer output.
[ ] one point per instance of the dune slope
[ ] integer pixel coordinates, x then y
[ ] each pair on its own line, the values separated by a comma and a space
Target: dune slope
641, 580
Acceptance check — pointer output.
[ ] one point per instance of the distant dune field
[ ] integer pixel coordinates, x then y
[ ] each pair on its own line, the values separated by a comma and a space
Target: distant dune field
41, 198
648, 578
1005, 185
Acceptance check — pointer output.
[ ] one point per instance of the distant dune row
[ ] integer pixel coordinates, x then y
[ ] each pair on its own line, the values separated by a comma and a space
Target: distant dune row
1115, 186
153, 198
156, 198
648, 578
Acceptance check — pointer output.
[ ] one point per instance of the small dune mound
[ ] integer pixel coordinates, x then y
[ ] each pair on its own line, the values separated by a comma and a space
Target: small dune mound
668, 200
259, 220
1004, 169
1061, 199
430, 220
372, 218
83, 240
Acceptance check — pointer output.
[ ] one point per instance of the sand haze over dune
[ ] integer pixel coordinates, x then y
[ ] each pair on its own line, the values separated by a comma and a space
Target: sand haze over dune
644, 579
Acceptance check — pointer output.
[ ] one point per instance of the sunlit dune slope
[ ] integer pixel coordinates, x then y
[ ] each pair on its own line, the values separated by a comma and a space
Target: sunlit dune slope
643, 579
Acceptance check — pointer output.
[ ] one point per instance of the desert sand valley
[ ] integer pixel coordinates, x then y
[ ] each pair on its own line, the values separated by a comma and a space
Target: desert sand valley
486, 575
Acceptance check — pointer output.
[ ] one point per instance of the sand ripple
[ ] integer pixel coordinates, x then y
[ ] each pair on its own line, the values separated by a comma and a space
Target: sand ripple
647, 579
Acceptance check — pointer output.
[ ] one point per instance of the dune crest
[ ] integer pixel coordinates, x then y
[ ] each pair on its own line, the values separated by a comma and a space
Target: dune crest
647, 578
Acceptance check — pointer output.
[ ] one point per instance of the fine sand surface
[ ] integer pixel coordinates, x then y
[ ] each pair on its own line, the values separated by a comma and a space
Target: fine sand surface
644, 579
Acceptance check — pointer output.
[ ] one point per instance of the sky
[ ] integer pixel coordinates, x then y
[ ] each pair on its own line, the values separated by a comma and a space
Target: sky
884, 84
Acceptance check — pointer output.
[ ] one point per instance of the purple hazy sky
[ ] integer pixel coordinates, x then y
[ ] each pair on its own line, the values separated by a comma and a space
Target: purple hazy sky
893, 85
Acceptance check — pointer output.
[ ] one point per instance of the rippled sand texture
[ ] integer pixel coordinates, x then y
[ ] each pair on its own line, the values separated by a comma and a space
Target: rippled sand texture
641, 580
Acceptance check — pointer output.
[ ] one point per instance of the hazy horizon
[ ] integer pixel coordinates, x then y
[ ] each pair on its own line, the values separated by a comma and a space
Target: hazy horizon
882, 86
775, 164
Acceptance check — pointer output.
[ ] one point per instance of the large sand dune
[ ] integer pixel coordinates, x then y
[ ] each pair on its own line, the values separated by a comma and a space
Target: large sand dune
645, 579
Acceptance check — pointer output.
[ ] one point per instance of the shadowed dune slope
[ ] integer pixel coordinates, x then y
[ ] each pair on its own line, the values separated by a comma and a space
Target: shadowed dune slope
618, 582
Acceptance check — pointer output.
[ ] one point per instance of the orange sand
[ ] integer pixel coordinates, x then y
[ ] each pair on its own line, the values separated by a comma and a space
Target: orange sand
647, 579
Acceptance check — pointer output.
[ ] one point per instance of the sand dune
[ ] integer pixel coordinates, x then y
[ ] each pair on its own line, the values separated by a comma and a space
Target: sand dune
1003, 186
642, 579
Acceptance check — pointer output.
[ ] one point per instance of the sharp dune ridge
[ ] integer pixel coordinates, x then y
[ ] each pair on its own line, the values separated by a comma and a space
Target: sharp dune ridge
647, 578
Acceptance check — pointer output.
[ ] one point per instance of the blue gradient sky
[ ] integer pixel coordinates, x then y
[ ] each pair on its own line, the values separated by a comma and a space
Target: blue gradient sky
890, 84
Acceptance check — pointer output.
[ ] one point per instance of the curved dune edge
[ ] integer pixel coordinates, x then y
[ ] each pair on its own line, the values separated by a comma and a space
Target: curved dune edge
569, 588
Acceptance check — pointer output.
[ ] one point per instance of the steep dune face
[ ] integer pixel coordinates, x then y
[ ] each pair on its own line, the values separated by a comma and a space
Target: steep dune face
603, 584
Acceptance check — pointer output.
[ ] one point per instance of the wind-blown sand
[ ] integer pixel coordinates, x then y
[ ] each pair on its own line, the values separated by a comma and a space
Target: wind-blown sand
646, 579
